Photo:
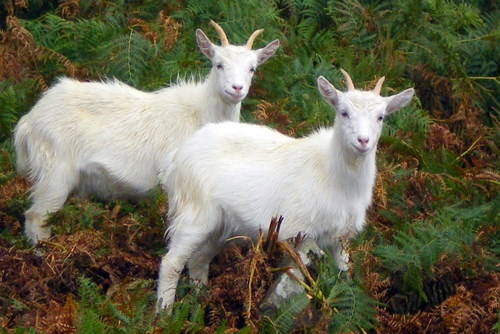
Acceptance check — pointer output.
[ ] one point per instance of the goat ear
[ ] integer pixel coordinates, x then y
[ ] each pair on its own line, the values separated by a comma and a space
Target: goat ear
329, 92
205, 45
399, 101
266, 52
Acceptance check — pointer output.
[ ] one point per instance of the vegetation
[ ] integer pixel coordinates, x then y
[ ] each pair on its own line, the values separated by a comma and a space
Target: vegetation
428, 261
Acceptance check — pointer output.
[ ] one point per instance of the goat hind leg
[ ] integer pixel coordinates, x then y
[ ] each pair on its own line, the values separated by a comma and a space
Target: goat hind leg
48, 196
199, 263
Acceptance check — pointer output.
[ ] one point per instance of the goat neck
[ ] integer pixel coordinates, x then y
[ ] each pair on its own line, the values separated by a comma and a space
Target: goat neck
216, 108
351, 171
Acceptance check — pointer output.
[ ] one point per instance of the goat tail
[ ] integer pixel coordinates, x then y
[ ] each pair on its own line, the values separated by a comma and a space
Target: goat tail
21, 145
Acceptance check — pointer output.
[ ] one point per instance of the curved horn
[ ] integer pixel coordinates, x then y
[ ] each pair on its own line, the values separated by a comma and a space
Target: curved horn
348, 80
378, 86
252, 37
222, 34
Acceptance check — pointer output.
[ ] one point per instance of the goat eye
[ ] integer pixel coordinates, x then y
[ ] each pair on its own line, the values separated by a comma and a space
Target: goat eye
219, 66
252, 69
380, 118
345, 114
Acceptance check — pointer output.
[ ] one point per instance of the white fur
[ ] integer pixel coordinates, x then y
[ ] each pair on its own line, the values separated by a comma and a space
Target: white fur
107, 138
230, 179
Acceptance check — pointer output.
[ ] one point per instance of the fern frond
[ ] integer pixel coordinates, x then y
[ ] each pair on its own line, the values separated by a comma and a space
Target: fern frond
284, 320
130, 56
90, 322
349, 307
9, 99
415, 252
354, 310
90, 318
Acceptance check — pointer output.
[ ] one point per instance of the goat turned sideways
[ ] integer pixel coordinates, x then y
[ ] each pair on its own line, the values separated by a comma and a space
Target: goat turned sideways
109, 139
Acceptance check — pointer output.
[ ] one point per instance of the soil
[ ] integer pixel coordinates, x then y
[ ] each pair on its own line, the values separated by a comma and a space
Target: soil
39, 285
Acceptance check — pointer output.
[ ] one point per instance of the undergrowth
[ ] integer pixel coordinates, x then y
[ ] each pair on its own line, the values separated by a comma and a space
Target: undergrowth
428, 259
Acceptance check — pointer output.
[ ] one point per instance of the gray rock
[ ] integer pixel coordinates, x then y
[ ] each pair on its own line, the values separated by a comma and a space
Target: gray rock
285, 286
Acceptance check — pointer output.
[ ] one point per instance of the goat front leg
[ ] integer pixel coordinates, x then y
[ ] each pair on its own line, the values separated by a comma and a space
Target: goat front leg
181, 248
170, 270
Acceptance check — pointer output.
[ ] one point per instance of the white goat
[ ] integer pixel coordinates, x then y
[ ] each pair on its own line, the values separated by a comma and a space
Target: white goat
230, 179
107, 138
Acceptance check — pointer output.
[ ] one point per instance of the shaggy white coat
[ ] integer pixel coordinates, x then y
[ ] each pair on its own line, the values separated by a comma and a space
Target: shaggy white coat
107, 139
230, 179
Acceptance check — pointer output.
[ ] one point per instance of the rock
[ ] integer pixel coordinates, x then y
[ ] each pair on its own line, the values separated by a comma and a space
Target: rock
285, 286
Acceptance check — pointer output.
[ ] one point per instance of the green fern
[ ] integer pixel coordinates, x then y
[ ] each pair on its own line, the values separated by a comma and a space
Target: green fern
100, 314
131, 56
90, 322
284, 319
187, 314
18, 330
15, 99
179, 318
8, 116
139, 315
354, 310
496, 326
451, 39
83, 41
351, 309
414, 253
411, 120
90, 318
479, 51
421, 248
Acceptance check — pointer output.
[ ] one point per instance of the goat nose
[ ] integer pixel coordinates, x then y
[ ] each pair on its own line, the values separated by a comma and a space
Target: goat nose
237, 88
363, 140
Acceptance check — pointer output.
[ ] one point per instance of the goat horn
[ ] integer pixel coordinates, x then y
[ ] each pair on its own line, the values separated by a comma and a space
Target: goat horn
222, 34
350, 85
378, 86
252, 37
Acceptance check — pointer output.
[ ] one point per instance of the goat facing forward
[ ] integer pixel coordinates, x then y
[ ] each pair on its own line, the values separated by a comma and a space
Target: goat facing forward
230, 179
